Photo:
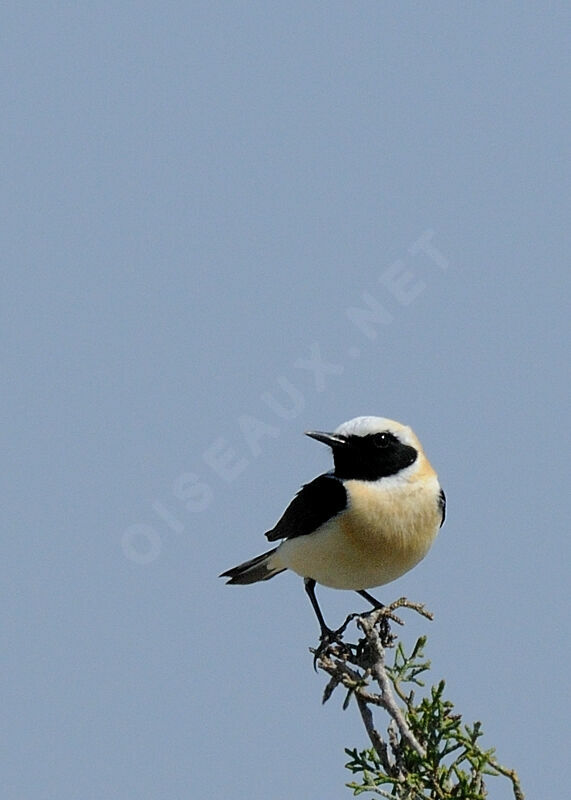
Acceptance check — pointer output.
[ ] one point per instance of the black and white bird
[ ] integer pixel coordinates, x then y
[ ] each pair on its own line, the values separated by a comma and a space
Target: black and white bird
365, 523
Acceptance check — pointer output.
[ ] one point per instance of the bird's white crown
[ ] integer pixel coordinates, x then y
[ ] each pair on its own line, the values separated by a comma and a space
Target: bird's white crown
363, 426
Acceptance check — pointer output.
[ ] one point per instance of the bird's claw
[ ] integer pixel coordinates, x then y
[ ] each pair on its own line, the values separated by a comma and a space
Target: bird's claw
327, 639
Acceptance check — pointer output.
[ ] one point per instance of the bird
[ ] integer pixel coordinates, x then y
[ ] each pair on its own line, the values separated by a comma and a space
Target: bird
361, 525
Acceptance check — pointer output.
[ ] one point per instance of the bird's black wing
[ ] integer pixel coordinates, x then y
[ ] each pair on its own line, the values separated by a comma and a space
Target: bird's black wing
313, 505
442, 505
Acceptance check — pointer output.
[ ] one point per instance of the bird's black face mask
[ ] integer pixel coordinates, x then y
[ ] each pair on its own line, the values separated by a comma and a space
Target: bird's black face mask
368, 458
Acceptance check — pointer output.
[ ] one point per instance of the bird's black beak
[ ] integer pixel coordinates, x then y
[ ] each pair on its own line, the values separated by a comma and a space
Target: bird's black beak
330, 439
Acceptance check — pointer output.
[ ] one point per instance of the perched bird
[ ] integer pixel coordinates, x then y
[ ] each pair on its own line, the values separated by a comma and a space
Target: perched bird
365, 523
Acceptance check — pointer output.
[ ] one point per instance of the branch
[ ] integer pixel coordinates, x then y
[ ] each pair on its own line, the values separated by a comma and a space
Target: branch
414, 756
368, 655
377, 668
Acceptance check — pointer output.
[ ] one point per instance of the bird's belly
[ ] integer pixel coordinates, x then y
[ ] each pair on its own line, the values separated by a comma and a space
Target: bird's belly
363, 549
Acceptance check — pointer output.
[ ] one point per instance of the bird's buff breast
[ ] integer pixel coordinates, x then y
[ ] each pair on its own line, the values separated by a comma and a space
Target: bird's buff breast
377, 539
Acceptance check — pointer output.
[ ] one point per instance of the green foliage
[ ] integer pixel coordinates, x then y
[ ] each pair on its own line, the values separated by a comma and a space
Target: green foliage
448, 765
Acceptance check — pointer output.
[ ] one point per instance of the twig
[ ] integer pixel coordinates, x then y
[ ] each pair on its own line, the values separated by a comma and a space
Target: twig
377, 741
367, 625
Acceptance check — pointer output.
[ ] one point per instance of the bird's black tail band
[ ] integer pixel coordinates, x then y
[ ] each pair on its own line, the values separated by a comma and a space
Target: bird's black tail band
254, 570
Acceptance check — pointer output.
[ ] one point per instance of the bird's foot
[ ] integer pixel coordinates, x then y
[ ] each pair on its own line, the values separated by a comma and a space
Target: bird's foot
383, 625
328, 640
386, 635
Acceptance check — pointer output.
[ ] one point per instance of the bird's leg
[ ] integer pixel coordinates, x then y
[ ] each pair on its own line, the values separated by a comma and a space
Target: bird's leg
369, 597
326, 631
384, 628
328, 636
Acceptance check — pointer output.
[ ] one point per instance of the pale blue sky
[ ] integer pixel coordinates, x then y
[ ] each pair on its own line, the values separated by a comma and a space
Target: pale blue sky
195, 196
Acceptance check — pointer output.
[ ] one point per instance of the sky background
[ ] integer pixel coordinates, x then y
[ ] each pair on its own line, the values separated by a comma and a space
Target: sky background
202, 202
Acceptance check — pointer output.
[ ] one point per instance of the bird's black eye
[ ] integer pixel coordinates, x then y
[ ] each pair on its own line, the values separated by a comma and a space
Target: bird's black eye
381, 439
